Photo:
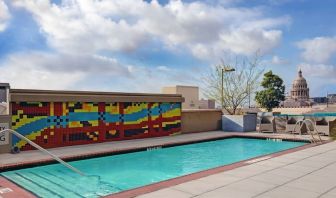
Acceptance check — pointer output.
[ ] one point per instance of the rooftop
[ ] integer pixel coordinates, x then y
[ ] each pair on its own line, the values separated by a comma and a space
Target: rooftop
307, 171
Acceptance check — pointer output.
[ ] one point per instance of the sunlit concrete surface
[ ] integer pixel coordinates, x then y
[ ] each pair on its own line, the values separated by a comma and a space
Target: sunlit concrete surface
307, 173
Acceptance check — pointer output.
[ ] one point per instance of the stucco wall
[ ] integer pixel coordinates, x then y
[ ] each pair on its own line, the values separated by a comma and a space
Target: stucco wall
169, 90
201, 120
5, 147
300, 110
189, 93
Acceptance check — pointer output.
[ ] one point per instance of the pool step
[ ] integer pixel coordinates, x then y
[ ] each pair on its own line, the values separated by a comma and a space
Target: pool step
78, 184
60, 188
48, 186
91, 183
31, 185
61, 183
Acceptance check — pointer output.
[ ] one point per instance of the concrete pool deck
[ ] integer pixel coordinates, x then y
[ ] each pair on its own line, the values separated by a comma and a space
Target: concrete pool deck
195, 187
308, 173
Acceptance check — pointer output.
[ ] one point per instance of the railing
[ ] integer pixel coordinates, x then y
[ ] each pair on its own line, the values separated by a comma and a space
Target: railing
310, 132
43, 150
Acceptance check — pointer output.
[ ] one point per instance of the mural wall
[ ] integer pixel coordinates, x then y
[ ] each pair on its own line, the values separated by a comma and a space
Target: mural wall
55, 124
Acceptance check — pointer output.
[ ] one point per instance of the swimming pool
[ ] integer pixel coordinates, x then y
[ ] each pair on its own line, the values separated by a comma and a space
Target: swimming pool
111, 174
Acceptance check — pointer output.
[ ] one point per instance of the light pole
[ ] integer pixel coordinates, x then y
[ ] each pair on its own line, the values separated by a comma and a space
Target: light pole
224, 70
327, 100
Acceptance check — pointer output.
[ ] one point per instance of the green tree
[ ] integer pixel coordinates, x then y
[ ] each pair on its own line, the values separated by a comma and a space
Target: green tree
273, 93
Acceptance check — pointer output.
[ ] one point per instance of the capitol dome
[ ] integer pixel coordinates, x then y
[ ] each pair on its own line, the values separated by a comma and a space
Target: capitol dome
300, 81
300, 90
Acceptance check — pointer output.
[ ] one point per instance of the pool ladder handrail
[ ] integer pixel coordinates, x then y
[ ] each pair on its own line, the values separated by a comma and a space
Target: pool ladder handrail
43, 150
311, 133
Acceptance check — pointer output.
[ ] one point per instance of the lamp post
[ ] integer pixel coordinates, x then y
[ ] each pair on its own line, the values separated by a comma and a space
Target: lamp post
327, 100
224, 70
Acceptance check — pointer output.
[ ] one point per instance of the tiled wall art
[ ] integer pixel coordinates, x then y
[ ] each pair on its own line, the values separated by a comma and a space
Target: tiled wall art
56, 124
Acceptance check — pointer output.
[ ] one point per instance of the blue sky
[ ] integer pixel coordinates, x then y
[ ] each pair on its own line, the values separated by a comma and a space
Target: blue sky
140, 46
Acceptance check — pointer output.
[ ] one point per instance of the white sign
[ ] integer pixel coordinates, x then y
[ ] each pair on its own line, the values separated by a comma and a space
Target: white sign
4, 137
5, 190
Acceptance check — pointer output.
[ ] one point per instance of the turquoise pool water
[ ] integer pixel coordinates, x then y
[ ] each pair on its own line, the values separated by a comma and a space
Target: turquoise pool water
111, 174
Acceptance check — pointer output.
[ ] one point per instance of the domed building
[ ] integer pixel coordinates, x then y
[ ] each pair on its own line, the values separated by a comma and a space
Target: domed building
300, 90
299, 94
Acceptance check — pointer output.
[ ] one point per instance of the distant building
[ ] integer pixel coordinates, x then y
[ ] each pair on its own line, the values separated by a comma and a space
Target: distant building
190, 94
331, 98
299, 94
319, 100
4, 87
4, 98
207, 104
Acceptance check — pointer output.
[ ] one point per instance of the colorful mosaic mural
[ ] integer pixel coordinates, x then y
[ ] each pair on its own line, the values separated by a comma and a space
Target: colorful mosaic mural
55, 124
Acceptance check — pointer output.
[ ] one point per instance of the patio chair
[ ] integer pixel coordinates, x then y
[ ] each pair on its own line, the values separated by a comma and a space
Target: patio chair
323, 124
280, 123
267, 123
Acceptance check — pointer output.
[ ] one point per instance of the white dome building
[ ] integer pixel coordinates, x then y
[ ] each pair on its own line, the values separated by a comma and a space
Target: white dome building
300, 90
299, 94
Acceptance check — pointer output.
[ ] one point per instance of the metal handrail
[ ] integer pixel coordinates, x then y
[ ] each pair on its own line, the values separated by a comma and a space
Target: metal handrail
43, 150
314, 129
308, 129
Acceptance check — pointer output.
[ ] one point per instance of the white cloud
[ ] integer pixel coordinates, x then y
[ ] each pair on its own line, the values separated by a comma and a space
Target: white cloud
204, 29
56, 71
249, 41
23, 76
203, 52
77, 31
4, 15
163, 68
152, 79
319, 49
318, 55
276, 60
38, 70
326, 71
142, 79
279, 2
222, 2
282, 2
83, 26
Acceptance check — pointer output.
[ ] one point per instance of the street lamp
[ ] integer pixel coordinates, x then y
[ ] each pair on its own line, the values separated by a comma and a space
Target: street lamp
327, 100
225, 70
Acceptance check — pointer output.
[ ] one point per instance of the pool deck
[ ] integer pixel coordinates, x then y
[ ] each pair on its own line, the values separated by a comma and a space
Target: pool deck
311, 170
308, 173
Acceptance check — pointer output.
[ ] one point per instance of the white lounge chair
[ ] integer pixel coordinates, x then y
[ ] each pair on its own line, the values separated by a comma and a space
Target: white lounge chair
323, 124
